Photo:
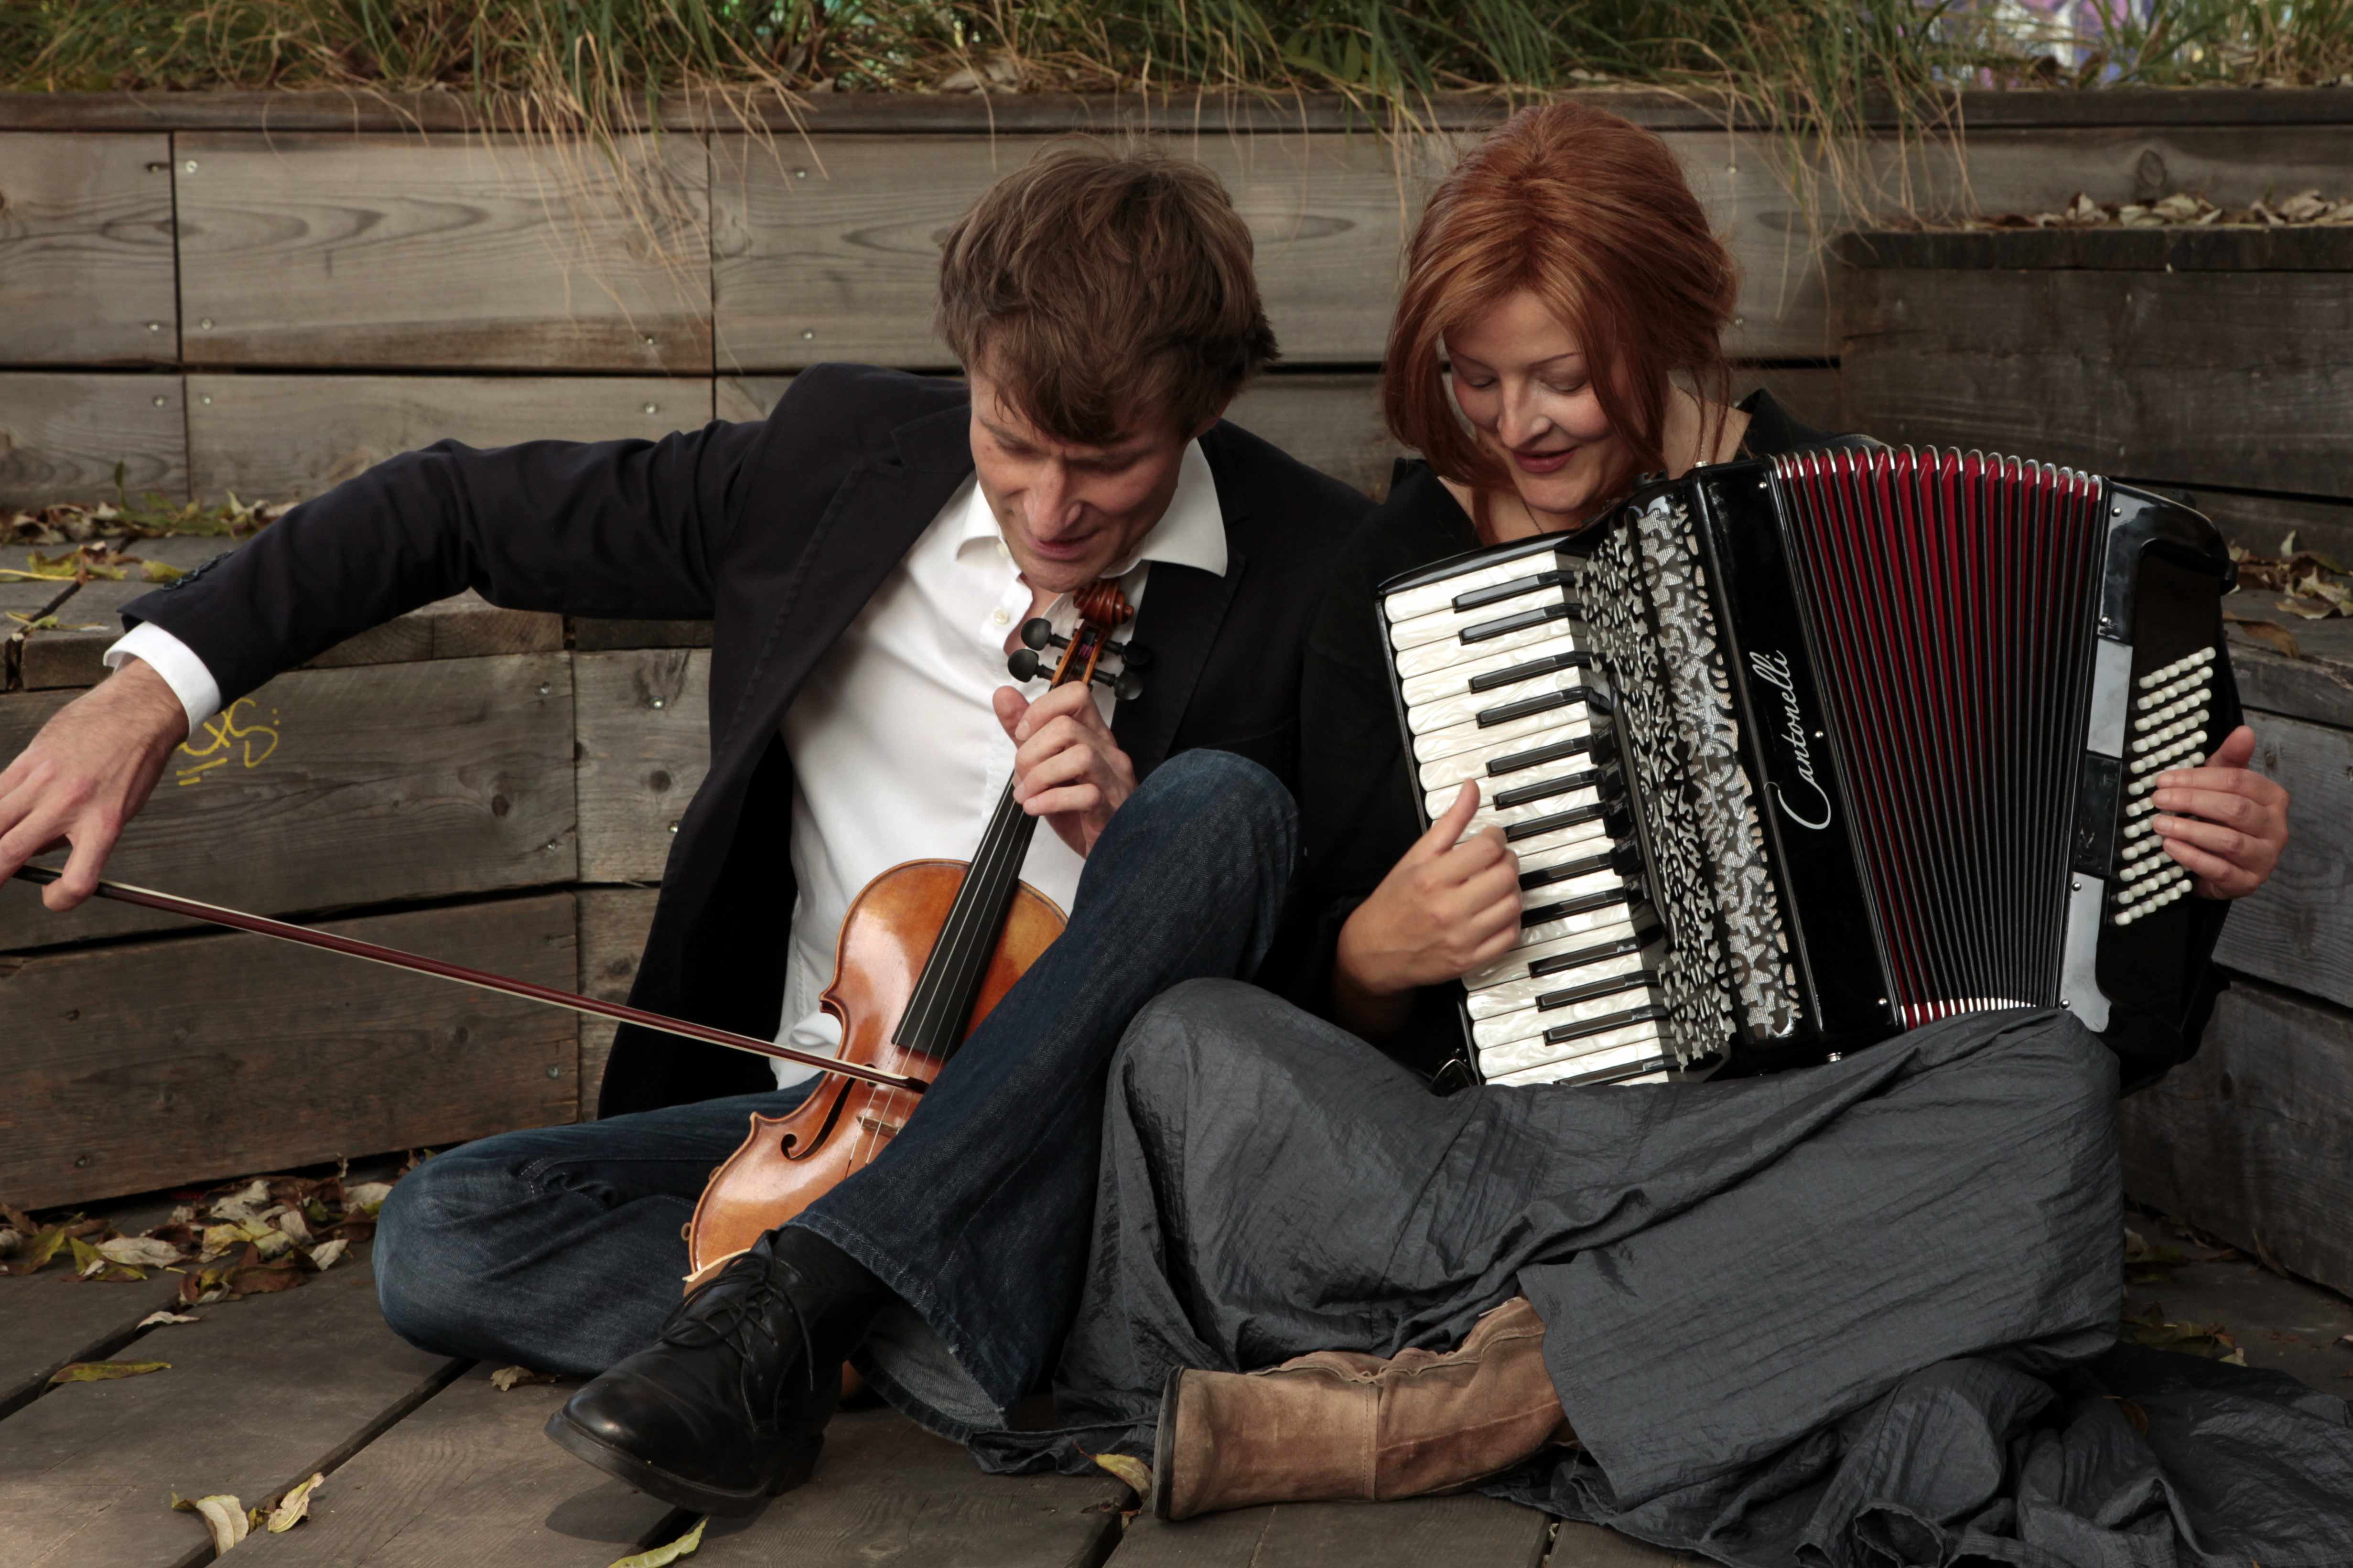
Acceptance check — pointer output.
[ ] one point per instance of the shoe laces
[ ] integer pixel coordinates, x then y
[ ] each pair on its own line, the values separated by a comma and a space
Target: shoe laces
738, 1309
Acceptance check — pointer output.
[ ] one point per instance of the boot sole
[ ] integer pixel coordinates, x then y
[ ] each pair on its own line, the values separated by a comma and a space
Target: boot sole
1164, 1446
695, 1496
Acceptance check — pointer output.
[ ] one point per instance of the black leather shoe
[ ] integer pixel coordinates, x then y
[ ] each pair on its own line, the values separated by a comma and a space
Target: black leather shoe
729, 1407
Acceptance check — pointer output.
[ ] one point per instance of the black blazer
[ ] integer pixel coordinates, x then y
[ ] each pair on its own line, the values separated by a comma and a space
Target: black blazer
778, 532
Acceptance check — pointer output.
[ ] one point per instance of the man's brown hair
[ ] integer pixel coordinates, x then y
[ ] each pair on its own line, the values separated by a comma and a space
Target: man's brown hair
1100, 288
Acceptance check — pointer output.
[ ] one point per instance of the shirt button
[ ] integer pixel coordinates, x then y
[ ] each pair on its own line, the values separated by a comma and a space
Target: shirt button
999, 618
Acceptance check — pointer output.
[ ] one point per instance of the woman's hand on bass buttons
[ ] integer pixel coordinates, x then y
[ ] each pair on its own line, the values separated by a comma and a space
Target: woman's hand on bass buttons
1448, 906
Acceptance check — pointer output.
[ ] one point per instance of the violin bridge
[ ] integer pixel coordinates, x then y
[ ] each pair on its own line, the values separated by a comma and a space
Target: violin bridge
879, 1127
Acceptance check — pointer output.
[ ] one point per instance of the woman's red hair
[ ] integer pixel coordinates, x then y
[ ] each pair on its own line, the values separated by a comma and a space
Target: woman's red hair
1591, 212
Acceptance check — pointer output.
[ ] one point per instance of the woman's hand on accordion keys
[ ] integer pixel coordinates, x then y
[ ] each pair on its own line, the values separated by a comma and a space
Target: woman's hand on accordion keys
1448, 906
2226, 823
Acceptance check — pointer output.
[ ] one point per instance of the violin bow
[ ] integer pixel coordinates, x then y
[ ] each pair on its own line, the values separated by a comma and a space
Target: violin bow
261, 925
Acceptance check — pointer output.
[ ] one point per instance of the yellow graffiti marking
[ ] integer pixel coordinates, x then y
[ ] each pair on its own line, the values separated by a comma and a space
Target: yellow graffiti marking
227, 734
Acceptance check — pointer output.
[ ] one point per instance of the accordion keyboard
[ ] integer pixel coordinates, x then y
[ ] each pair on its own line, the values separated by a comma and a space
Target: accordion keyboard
1498, 684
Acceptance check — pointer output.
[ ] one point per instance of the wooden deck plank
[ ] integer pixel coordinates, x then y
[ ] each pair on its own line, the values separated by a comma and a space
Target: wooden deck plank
2261, 524
47, 1319
85, 250
1328, 422
143, 1065
2251, 1139
643, 723
260, 1394
370, 785
612, 926
1459, 1532
467, 1478
63, 431
286, 437
456, 253
1590, 1546
886, 1491
2296, 929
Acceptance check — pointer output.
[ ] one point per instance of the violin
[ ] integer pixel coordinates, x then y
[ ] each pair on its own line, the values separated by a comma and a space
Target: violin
926, 951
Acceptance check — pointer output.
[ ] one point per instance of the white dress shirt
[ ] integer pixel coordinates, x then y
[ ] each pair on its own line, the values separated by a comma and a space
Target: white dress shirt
897, 754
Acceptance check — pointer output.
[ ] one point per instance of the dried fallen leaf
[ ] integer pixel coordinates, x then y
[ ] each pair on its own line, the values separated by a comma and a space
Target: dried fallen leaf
662, 1555
327, 1254
366, 1197
223, 1515
140, 1251
2310, 609
244, 1205
106, 1371
2271, 633
1134, 1473
291, 1222
294, 1506
165, 1316
508, 1378
11, 1238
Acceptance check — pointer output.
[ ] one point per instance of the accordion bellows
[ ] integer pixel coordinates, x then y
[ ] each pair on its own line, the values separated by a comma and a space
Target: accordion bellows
1801, 752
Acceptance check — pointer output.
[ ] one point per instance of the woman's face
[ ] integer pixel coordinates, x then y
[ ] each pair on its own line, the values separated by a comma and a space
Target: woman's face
1520, 378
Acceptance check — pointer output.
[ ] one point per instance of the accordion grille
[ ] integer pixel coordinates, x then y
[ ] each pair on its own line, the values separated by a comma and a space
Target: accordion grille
1953, 600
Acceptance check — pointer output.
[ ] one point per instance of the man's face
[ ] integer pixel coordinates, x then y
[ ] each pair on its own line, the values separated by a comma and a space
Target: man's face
1067, 513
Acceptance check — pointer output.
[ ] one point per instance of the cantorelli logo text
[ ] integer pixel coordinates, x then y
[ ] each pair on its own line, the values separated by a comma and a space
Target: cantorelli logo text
1773, 669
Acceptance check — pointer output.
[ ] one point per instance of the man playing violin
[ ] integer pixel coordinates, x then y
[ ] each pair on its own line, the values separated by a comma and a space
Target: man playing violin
867, 555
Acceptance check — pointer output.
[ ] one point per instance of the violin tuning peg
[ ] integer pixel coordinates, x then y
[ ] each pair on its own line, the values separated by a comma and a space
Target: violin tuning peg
1127, 685
1022, 663
1038, 633
1133, 656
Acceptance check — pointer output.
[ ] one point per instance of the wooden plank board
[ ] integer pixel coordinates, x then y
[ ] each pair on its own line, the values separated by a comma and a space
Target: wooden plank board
2159, 375
644, 725
887, 1491
2317, 684
286, 437
386, 781
455, 252
86, 260
62, 433
1177, 108
47, 1319
137, 1065
1470, 1531
828, 249
1590, 1546
261, 1394
73, 653
467, 1477
2251, 1140
612, 926
1328, 422
2261, 524
2296, 929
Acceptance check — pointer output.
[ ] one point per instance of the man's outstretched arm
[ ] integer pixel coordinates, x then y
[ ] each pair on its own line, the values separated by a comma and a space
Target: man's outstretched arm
628, 528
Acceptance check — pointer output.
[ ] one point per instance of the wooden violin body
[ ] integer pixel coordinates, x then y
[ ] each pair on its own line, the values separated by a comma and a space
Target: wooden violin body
927, 949
789, 1161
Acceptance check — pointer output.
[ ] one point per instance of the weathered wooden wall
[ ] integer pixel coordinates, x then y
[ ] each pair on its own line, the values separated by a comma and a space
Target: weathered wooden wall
398, 285
2218, 367
265, 294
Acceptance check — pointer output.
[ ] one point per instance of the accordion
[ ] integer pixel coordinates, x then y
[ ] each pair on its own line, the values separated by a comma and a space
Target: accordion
1800, 752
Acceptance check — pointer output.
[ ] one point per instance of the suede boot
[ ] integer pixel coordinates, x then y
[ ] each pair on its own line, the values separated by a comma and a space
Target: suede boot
1340, 1424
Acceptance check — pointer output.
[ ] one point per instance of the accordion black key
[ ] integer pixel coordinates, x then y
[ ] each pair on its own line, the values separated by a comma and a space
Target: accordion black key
1801, 752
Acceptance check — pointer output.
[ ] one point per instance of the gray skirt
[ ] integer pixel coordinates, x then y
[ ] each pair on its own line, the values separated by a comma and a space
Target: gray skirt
1863, 1314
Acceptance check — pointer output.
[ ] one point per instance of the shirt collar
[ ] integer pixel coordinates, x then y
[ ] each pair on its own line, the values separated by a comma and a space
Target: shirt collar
1191, 532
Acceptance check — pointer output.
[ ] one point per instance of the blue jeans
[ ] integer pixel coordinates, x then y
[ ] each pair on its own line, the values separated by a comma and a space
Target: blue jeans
561, 1247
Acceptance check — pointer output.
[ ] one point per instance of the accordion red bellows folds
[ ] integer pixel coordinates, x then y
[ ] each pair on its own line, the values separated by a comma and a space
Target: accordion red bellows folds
1801, 752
